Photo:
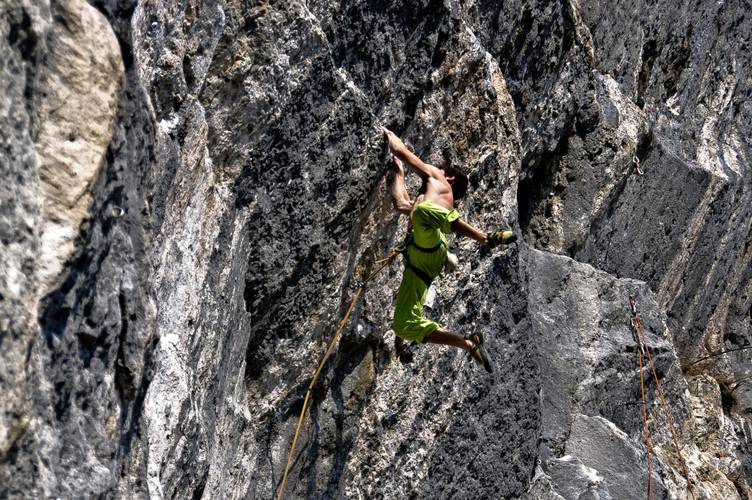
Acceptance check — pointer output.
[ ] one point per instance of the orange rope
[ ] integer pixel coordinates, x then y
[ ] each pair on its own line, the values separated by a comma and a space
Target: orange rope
384, 262
643, 339
645, 428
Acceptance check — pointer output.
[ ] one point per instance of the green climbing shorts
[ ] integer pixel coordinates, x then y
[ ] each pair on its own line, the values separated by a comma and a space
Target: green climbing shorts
430, 222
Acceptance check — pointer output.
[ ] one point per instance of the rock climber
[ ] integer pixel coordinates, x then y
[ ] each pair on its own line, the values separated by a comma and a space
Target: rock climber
432, 215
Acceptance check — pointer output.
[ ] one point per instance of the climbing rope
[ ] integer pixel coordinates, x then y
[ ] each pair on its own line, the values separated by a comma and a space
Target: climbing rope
718, 353
382, 263
644, 342
645, 428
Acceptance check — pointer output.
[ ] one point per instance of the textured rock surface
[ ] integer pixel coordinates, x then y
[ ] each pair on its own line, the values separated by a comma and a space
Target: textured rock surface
61, 75
76, 109
188, 203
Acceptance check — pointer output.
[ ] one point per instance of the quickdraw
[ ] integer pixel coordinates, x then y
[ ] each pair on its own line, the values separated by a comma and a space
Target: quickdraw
636, 161
634, 320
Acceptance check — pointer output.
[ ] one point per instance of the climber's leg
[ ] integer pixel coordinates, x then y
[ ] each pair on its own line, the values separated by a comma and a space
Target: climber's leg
408, 322
443, 337
475, 348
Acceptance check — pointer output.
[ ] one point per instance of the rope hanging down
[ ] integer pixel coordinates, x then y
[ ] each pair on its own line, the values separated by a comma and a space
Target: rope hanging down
642, 340
358, 293
645, 429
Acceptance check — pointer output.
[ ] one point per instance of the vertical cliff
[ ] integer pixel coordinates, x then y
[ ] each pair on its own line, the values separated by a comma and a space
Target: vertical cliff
192, 191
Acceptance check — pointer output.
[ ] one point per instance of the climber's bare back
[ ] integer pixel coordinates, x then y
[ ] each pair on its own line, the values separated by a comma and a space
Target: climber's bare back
438, 190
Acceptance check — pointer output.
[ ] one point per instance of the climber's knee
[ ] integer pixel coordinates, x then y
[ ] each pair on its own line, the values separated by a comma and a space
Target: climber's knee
414, 330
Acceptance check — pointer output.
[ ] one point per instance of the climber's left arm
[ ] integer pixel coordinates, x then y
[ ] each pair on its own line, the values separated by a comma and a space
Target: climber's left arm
464, 229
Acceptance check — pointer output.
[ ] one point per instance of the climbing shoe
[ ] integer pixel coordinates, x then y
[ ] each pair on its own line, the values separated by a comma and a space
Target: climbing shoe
477, 352
496, 238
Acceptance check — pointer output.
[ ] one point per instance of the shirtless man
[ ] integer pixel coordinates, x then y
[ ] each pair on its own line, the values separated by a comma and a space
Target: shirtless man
432, 215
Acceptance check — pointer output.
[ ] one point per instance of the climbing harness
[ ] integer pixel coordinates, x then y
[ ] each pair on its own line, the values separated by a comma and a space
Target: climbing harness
636, 161
644, 343
382, 263
409, 241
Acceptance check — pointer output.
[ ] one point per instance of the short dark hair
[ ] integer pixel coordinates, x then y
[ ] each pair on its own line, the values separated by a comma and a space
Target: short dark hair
459, 186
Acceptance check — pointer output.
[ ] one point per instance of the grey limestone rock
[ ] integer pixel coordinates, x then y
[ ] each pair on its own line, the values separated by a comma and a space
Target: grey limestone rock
192, 191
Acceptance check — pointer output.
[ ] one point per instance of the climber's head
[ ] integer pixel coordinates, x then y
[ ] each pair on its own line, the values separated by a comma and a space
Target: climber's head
455, 178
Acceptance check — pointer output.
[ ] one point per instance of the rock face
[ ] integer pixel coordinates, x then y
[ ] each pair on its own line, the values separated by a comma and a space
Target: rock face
193, 190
